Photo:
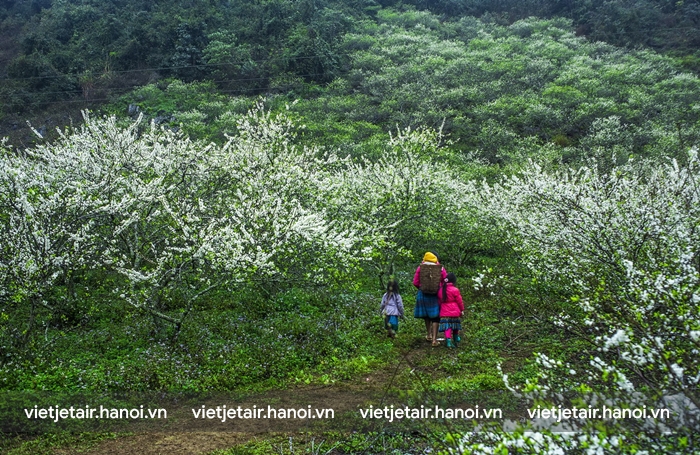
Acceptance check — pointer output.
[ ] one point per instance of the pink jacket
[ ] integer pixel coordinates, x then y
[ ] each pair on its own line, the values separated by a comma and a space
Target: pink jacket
416, 277
451, 306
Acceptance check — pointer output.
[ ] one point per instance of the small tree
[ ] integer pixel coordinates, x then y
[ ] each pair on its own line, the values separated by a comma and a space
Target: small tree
45, 230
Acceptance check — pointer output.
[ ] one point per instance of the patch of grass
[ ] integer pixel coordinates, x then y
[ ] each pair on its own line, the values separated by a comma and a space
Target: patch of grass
384, 442
253, 447
477, 382
53, 443
289, 338
349, 368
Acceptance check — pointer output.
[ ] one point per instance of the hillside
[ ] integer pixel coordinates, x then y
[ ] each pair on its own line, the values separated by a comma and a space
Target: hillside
61, 57
252, 176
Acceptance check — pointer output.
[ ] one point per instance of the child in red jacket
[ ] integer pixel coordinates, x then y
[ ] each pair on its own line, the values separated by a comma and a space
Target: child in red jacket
451, 310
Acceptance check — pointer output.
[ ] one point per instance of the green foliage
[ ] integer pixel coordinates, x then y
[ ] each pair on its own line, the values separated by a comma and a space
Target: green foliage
103, 48
504, 94
234, 343
196, 108
51, 443
509, 92
332, 442
661, 25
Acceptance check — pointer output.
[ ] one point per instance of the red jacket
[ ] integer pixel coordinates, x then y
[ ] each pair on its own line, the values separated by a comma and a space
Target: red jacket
451, 306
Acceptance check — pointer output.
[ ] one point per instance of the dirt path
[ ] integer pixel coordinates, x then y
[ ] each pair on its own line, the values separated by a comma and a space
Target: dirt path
186, 435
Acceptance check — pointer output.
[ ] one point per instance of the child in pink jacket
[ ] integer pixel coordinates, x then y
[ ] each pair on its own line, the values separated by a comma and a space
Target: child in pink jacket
451, 310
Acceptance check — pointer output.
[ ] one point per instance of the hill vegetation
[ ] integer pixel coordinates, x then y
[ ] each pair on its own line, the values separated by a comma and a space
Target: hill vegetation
253, 173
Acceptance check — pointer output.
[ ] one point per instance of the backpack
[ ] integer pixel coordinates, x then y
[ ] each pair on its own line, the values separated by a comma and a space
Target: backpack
430, 278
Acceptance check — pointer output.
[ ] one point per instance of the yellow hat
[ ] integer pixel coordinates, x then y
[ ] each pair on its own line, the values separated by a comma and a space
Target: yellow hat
430, 257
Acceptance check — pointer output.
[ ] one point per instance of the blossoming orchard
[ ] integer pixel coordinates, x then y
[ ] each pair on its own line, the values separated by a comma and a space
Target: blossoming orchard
168, 220
160, 222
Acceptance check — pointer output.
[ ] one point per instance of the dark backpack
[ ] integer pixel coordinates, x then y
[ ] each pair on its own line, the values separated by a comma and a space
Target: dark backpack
430, 277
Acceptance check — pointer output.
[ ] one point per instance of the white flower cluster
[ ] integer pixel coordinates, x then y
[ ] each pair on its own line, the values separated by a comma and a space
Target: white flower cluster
486, 281
625, 244
402, 198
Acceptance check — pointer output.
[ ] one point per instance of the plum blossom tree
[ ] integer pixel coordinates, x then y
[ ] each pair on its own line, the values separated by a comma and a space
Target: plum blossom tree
170, 218
625, 245
405, 198
277, 219
45, 231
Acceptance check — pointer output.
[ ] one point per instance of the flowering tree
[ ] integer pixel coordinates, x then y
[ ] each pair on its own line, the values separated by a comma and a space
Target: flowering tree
407, 198
173, 219
276, 215
45, 233
625, 244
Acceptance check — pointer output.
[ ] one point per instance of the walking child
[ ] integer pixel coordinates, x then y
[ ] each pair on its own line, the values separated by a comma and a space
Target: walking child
451, 310
392, 308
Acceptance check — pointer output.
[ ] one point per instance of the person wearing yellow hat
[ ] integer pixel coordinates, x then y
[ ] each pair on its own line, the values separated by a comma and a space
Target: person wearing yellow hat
427, 304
